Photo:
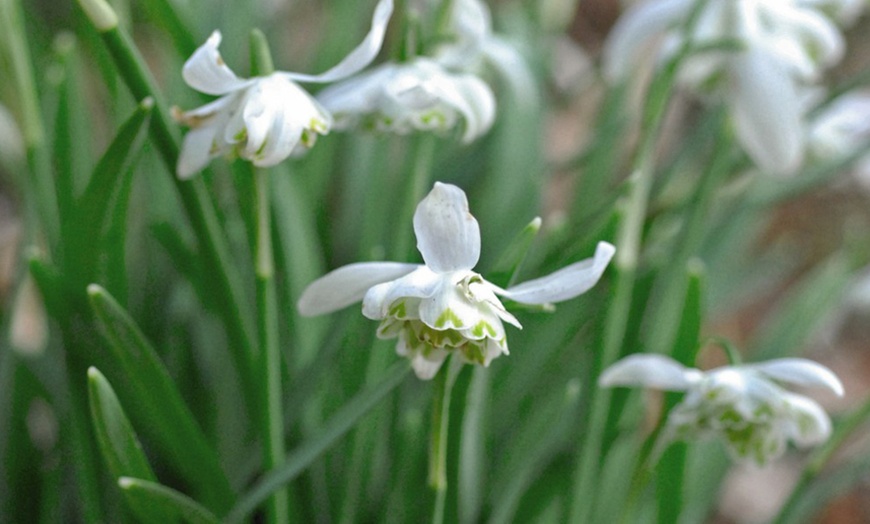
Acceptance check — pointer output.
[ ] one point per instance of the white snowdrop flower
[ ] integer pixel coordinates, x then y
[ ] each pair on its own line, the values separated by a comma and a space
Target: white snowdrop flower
785, 46
841, 129
474, 44
262, 119
744, 405
443, 306
845, 12
417, 95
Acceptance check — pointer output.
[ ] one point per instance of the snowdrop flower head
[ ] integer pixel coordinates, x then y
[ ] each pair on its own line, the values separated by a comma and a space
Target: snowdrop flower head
474, 43
420, 95
841, 128
263, 119
785, 45
744, 405
443, 306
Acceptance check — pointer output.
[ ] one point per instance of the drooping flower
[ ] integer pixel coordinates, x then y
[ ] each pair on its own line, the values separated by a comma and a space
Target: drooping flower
262, 119
474, 43
744, 405
443, 306
785, 45
841, 128
417, 95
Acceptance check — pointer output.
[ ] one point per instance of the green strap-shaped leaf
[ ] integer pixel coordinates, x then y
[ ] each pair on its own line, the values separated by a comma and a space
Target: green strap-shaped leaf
117, 440
302, 457
168, 420
161, 502
512, 257
672, 465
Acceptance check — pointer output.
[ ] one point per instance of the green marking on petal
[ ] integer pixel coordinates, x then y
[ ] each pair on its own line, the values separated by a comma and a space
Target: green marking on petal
398, 310
448, 316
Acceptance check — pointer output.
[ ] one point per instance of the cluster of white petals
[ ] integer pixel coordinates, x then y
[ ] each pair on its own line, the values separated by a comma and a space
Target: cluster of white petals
785, 45
419, 95
743, 405
262, 119
437, 92
841, 129
443, 306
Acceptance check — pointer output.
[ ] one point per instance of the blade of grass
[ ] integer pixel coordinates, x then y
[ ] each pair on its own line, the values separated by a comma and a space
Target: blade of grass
165, 504
168, 421
337, 425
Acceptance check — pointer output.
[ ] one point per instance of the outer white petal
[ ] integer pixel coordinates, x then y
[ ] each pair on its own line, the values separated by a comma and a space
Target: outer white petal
565, 283
807, 423
472, 97
206, 71
636, 30
420, 283
511, 65
654, 371
448, 236
197, 149
766, 110
800, 372
362, 55
346, 285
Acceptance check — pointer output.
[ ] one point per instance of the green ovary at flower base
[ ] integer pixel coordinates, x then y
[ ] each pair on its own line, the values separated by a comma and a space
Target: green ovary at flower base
443, 306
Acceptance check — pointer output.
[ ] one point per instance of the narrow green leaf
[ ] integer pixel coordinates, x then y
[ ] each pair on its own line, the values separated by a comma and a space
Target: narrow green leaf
472, 453
505, 270
165, 503
117, 440
167, 419
175, 21
299, 459
797, 315
115, 163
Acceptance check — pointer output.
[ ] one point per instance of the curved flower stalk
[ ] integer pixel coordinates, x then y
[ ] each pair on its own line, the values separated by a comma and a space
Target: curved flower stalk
744, 405
785, 46
262, 119
443, 306
841, 129
417, 95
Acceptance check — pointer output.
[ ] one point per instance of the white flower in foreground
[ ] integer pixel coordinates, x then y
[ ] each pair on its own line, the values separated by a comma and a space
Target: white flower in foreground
262, 119
443, 306
417, 95
744, 405
786, 45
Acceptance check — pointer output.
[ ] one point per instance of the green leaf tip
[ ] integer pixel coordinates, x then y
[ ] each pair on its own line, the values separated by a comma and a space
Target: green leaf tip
126, 482
95, 290
147, 103
101, 14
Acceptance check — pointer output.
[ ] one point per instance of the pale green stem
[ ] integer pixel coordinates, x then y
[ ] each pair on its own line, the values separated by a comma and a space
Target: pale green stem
633, 208
267, 314
39, 181
194, 194
443, 383
270, 353
423, 155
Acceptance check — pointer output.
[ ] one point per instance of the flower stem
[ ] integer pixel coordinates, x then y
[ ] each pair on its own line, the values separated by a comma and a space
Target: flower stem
267, 313
423, 155
633, 208
443, 383
194, 194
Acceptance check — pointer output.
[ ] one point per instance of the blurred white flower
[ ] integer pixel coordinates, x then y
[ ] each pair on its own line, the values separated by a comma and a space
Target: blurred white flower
443, 306
841, 128
786, 44
262, 119
744, 405
474, 43
416, 95
845, 12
